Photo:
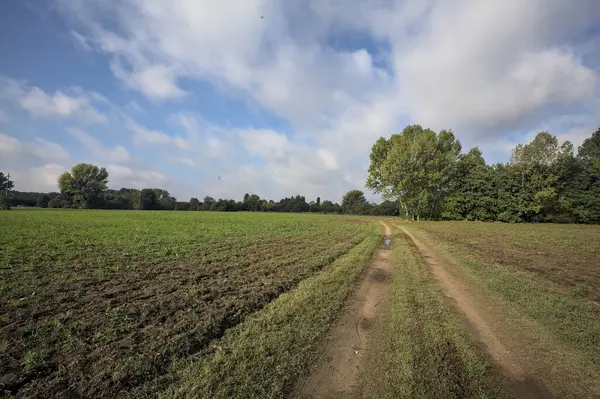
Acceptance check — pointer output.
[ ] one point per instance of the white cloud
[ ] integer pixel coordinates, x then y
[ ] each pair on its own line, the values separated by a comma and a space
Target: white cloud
117, 154
135, 107
9, 145
82, 42
343, 73
48, 150
142, 135
268, 144
183, 161
43, 177
37, 102
157, 82
13, 149
39, 178
123, 176
16, 158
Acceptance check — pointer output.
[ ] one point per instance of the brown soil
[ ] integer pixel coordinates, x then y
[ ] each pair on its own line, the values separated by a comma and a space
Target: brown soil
336, 374
477, 317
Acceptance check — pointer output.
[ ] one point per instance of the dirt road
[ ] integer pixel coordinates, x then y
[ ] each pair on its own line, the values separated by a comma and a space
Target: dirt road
518, 381
336, 375
345, 364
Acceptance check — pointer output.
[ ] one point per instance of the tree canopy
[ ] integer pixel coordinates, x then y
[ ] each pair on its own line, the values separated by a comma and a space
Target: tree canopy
354, 202
5, 182
544, 181
5, 185
414, 168
83, 185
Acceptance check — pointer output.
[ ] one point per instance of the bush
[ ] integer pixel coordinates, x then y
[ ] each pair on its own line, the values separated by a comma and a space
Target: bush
4, 202
59, 202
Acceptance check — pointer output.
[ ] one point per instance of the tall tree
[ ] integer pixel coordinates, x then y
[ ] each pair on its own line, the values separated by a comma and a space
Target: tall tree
43, 201
83, 185
585, 193
538, 164
148, 200
207, 203
471, 195
167, 202
414, 168
5, 185
354, 202
194, 204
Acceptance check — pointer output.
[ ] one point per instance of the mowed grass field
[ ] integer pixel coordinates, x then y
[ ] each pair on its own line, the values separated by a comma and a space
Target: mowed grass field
113, 303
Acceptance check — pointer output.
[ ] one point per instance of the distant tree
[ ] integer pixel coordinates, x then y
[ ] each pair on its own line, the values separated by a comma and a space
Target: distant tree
583, 194
193, 204
148, 200
318, 201
112, 200
83, 185
268, 206
5, 185
354, 202
336, 208
167, 203
327, 206
414, 168
43, 201
59, 202
4, 202
208, 203
251, 202
472, 195
183, 206
388, 208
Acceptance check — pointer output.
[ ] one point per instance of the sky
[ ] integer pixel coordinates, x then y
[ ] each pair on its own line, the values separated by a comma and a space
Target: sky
281, 97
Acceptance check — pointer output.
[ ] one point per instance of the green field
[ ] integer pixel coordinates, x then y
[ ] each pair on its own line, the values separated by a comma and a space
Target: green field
102, 303
237, 305
541, 286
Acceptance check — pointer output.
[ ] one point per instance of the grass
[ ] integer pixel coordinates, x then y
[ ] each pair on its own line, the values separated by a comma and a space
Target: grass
264, 356
113, 303
547, 277
425, 352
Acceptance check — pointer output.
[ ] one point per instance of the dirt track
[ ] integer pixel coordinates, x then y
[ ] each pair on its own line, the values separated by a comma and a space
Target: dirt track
518, 381
336, 375
345, 352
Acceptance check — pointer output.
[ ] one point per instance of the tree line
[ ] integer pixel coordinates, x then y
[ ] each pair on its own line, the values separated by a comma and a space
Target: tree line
86, 186
426, 174
419, 173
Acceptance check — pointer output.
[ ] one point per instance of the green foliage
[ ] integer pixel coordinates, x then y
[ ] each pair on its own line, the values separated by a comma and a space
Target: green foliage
43, 201
5, 183
354, 202
4, 202
59, 202
129, 299
543, 182
194, 204
148, 200
167, 203
415, 169
83, 185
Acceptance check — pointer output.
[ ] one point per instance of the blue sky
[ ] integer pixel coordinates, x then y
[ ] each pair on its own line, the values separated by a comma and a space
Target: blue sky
281, 97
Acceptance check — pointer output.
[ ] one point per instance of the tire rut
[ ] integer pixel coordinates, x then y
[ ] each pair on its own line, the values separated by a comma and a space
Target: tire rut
336, 374
518, 381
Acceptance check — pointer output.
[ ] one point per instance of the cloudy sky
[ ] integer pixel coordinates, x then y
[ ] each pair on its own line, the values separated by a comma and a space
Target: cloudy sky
280, 97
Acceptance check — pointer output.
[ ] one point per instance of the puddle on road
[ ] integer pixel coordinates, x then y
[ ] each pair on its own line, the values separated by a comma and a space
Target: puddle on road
388, 242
